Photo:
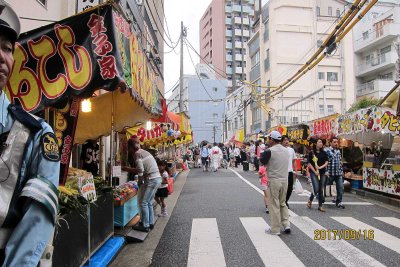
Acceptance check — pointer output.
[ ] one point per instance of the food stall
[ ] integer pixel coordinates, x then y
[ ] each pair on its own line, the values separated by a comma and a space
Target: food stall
376, 128
57, 66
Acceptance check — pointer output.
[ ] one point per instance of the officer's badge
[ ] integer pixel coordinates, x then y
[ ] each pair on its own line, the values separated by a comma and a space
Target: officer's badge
50, 147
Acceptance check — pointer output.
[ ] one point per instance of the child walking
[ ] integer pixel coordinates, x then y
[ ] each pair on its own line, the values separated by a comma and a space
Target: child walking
262, 172
162, 191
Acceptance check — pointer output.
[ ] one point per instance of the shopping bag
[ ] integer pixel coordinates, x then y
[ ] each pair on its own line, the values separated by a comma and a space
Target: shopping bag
170, 186
298, 188
199, 161
331, 191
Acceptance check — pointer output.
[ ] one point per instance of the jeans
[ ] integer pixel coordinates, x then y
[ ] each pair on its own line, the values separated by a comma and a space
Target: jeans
318, 187
339, 187
146, 206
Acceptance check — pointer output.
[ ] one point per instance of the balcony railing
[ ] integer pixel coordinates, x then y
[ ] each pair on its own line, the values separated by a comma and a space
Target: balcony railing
375, 86
376, 63
377, 36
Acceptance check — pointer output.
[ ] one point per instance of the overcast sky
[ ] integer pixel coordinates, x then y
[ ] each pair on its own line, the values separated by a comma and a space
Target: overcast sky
190, 12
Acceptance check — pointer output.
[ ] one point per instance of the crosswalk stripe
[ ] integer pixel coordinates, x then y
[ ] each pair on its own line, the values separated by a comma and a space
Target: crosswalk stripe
330, 203
272, 250
381, 237
340, 249
205, 244
390, 220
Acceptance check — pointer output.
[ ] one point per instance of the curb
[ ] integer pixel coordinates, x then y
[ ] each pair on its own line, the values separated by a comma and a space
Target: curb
376, 196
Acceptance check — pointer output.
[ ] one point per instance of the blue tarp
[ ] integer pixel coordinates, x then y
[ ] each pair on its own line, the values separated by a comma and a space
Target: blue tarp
106, 253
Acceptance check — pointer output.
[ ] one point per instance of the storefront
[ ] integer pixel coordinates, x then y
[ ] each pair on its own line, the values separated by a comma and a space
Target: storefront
376, 130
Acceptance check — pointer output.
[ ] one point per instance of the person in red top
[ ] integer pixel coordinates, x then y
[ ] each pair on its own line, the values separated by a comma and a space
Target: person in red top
262, 172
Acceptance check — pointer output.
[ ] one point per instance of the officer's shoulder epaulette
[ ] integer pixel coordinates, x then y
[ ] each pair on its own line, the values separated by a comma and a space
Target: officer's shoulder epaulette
25, 118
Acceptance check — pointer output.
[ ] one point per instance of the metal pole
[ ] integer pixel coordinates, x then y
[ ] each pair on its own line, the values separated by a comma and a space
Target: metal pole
214, 129
181, 73
324, 96
244, 118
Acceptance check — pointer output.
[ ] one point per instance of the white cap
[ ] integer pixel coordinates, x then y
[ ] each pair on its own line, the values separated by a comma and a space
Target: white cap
275, 135
9, 21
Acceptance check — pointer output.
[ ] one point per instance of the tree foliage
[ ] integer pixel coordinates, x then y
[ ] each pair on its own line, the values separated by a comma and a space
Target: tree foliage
364, 103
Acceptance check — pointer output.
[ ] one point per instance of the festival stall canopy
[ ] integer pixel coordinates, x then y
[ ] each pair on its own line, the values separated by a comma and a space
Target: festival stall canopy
127, 112
369, 125
77, 56
299, 133
280, 128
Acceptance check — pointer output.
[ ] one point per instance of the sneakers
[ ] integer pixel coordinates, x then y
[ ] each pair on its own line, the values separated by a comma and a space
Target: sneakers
309, 204
266, 210
287, 230
333, 200
268, 231
163, 213
340, 205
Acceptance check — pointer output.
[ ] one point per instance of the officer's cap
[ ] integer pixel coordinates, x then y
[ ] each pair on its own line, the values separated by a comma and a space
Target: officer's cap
9, 22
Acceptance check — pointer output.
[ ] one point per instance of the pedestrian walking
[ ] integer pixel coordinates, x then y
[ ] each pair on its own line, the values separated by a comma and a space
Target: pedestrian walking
162, 191
216, 156
29, 168
335, 170
204, 157
317, 163
262, 173
149, 178
276, 160
197, 159
236, 153
292, 170
252, 153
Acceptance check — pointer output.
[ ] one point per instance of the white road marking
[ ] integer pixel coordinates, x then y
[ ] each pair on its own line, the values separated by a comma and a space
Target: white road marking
381, 237
330, 203
390, 220
271, 249
205, 244
340, 249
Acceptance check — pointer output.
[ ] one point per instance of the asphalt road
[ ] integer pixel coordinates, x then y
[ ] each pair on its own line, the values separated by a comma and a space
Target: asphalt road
219, 220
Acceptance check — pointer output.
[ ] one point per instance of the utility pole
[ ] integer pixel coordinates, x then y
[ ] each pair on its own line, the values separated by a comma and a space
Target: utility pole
183, 34
244, 118
214, 130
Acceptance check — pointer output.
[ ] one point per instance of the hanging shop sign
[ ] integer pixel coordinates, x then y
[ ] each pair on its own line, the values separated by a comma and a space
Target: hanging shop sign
64, 124
82, 5
78, 55
387, 181
280, 128
298, 133
373, 119
324, 128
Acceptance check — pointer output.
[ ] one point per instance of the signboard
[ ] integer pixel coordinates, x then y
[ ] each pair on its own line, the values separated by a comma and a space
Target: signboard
324, 128
78, 55
387, 181
64, 124
87, 188
298, 133
116, 171
82, 5
373, 119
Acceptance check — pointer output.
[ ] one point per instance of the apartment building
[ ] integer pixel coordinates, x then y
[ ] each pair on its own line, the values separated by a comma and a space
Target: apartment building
376, 39
284, 36
234, 112
203, 101
224, 31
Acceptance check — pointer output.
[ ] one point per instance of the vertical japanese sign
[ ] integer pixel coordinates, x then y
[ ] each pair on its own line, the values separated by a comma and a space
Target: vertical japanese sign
64, 125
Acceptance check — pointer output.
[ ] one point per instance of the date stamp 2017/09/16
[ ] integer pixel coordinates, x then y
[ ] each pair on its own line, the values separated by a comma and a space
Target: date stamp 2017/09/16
343, 234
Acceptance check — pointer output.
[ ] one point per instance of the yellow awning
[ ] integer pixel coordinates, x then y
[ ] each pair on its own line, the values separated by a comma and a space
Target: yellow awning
127, 112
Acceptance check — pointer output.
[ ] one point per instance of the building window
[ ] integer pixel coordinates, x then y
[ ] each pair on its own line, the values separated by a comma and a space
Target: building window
386, 76
331, 109
332, 76
365, 35
241, 121
43, 2
321, 109
215, 89
295, 120
236, 123
255, 59
329, 11
319, 43
338, 13
386, 49
321, 75
215, 115
318, 11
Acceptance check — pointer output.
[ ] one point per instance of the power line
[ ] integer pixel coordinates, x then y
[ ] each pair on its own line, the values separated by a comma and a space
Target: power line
158, 15
172, 88
198, 76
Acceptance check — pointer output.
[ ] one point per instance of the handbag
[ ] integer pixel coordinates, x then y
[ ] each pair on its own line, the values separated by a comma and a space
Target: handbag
331, 191
298, 188
170, 186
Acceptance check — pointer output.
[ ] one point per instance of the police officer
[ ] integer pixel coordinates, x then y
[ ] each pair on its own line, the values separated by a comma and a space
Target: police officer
29, 167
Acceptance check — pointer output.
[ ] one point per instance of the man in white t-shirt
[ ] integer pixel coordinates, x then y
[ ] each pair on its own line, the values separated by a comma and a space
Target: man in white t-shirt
292, 166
